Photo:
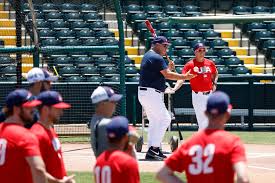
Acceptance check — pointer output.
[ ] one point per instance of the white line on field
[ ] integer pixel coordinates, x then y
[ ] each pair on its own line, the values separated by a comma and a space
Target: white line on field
263, 168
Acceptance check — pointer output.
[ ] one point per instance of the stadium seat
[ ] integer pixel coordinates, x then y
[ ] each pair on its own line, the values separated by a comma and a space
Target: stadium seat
90, 42
50, 42
273, 9
104, 33
70, 42
260, 10
194, 42
94, 79
110, 42
8, 70
87, 8
217, 60
223, 70
179, 61
163, 26
188, 2
173, 34
210, 53
65, 34
98, 25
109, 70
271, 26
224, 5
180, 43
89, 70
268, 44
104, 61
53, 16
218, 44
46, 33
179, 69
68, 71
68, 7
42, 24
192, 34
63, 61
206, 5
73, 79
204, 27
254, 27
172, 9
49, 7
131, 70
79, 25
85, 34
226, 52
262, 36
114, 78
240, 70
38, 15
6, 60
233, 61
267, 3
248, 3
211, 34
133, 78
127, 61
8, 78
83, 61
59, 24
91, 17
190, 9
152, 9
186, 53
133, 8
73, 16
156, 17
185, 26
242, 10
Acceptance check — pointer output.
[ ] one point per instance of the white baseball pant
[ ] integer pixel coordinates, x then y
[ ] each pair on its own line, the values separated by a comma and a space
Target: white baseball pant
199, 101
157, 114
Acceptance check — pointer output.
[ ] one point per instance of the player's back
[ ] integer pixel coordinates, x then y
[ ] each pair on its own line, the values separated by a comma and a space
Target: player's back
117, 167
16, 143
209, 156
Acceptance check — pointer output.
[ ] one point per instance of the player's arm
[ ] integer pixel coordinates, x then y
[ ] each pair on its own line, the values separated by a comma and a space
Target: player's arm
66, 179
166, 175
37, 167
241, 172
178, 84
175, 76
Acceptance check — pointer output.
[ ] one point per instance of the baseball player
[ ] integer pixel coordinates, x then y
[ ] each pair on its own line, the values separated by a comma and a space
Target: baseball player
50, 112
105, 100
153, 72
113, 164
211, 155
20, 159
202, 85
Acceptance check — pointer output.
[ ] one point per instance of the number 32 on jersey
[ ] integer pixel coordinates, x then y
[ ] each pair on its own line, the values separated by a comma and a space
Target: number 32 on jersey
201, 159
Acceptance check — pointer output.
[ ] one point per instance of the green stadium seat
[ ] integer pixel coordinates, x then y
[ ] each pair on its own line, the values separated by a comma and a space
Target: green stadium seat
185, 26
188, 2
172, 9
271, 26
8, 70
91, 17
210, 53
260, 10
179, 69
89, 70
217, 60
156, 17
68, 7
87, 8
49, 7
98, 25
104, 61
59, 24
63, 61
186, 53
133, 8
50, 42
233, 61
104, 33
206, 5
73, 79
190, 9
127, 61
204, 27
218, 44
268, 44
132, 78
192, 35
131, 70
70, 42
53, 16
226, 53
248, 3
260, 37
6, 60
240, 70
181, 14
163, 26
85, 34
153, 9
223, 70
90, 42
94, 79
179, 61
110, 42
65, 34
38, 15
8, 78
194, 42
255, 27
110, 70
46, 33
79, 25
42, 24
211, 35
68, 71
180, 43
83, 61
267, 3
273, 9
73, 16
242, 10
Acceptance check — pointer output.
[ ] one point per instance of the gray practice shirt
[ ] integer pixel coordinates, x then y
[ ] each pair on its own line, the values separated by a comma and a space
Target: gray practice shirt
99, 139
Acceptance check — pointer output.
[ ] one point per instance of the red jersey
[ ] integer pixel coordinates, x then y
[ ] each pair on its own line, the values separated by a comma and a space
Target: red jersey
50, 148
116, 166
204, 71
16, 144
208, 155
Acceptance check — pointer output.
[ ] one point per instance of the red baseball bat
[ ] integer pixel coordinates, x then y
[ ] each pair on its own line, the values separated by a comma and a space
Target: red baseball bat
153, 32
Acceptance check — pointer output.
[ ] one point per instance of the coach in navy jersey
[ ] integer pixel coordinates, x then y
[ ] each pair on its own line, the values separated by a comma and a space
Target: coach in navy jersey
153, 72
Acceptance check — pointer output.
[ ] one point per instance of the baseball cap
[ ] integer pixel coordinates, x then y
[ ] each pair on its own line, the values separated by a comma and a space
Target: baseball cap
52, 98
117, 127
198, 45
49, 76
160, 40
218, 103
35, 75
21, 97
103, 93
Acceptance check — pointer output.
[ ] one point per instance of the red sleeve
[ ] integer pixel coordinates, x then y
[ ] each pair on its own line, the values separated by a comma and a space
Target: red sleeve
238, 151
176, 161
186, 68
29, 145
131, 171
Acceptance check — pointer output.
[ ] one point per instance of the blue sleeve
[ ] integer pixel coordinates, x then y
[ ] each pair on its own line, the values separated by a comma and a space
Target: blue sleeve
159, 63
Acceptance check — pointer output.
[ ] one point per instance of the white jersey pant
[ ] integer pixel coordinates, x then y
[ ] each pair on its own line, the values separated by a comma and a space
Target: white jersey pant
199, 101
157, 114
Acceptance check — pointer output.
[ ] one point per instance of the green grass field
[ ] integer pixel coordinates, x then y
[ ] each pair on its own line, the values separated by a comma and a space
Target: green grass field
247, 137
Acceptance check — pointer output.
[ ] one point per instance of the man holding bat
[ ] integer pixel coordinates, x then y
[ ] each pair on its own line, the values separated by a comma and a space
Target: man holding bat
153, 72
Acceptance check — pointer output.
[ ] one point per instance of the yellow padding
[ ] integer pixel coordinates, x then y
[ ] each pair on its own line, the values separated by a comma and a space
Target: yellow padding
240, 51
7, 23
132, 50
25, 69
11, 41
136, 58
233, 42
226, 34
248, 60
4, 15
7, 32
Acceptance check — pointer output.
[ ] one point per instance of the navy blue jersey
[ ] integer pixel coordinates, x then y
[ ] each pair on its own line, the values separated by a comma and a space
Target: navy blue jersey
150, 75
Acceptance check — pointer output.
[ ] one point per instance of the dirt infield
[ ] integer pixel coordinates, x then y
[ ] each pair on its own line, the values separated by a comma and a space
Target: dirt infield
261, 160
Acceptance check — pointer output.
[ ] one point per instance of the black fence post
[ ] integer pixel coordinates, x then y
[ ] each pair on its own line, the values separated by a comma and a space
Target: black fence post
251, 103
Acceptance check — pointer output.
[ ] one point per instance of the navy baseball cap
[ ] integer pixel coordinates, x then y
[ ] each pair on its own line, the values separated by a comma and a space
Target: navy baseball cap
52, 98
21, 97
198, 45
218, 103
160, 40
104, 93
49, 76
118, 127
